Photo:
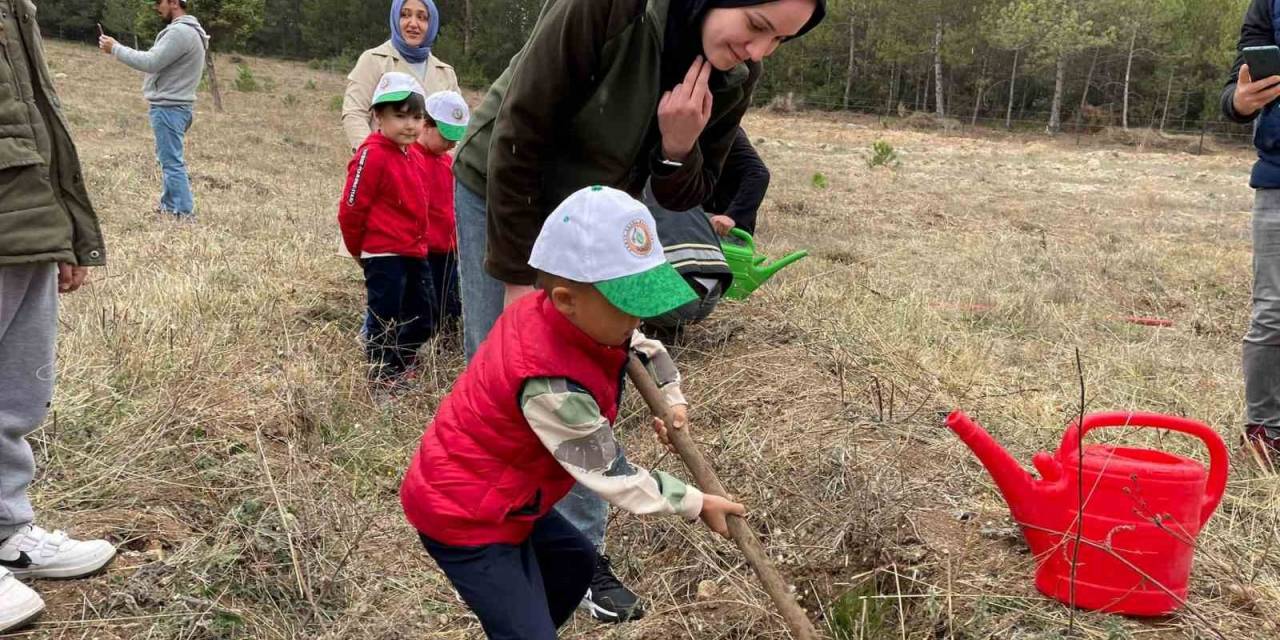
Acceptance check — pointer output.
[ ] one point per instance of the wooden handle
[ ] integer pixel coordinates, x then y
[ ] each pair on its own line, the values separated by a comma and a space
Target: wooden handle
743, 536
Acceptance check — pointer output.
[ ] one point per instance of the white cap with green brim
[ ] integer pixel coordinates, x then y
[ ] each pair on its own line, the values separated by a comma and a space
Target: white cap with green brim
450, 113
395, 87
604, 237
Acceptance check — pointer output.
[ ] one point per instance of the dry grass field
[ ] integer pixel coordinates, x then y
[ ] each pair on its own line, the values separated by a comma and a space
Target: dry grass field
211, 415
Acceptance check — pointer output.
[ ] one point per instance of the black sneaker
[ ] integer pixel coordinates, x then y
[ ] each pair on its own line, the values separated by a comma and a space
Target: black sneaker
607, 599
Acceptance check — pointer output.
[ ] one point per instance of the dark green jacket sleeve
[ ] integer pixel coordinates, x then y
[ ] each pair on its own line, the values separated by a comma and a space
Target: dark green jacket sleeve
551, 80
683, 188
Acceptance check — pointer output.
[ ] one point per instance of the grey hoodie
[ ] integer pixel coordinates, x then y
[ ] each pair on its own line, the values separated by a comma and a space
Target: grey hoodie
173, 65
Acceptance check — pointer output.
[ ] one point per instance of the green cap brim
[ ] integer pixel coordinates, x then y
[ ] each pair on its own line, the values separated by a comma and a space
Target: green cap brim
451, 132
394, 96
648, 294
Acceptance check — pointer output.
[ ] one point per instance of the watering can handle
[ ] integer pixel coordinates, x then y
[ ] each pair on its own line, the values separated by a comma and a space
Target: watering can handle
1217, 481
745, 237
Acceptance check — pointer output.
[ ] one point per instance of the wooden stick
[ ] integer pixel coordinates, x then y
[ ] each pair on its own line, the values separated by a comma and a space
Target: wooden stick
743, 536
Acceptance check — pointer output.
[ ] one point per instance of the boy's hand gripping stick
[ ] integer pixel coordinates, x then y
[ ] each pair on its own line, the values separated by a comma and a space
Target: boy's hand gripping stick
743, 536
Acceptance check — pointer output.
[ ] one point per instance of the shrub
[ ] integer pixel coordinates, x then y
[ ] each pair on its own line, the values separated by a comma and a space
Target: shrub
245, 81
882, 155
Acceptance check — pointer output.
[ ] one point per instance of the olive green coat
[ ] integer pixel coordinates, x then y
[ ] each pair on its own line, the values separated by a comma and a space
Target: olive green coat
45, 212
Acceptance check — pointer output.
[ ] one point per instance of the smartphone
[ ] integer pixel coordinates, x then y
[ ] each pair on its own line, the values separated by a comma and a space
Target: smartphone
1264, 62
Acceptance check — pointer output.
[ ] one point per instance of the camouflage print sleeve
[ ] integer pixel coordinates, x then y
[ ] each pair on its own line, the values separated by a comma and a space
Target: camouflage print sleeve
661, 367
568, 422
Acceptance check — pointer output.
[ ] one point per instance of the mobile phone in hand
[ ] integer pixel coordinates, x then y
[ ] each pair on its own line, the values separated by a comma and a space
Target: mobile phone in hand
1264, 62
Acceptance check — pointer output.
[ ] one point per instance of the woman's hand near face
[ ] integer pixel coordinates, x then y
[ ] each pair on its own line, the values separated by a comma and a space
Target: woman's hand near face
683, 111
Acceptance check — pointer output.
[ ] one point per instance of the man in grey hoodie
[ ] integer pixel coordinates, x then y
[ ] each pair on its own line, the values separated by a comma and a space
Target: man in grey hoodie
173, 67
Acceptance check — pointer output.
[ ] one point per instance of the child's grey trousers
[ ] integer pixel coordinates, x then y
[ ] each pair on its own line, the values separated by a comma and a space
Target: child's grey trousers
28, 329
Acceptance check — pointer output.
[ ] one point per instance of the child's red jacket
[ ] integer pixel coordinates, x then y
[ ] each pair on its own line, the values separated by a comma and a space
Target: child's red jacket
442, 233
384, 205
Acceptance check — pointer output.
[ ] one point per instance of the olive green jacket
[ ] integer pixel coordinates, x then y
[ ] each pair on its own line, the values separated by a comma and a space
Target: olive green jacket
576, 108
45, 212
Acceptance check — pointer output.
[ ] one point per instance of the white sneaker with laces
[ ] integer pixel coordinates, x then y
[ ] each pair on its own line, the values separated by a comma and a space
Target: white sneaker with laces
18, 603
33, 552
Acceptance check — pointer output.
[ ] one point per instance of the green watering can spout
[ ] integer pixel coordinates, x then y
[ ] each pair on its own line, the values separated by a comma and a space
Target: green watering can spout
749, 269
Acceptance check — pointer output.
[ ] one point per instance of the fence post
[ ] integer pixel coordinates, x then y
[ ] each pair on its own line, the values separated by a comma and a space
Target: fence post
1204, 126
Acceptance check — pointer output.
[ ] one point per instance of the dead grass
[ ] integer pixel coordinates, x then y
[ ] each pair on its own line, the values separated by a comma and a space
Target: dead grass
211, 417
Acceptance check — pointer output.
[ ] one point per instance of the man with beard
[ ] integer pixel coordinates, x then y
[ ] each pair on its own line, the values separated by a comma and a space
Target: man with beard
173, 67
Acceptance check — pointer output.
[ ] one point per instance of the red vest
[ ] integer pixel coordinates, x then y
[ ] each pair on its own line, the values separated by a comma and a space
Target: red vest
481, 475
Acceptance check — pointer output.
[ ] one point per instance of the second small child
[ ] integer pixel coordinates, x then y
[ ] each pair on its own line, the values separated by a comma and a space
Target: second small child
383, 215
446, 123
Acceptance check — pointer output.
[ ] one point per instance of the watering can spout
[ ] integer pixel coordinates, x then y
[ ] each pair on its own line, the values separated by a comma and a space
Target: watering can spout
1014, 482
750, 269
766, 271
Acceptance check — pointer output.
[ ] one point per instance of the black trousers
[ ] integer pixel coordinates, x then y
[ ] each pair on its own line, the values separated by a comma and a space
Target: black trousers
402, 312
524, 591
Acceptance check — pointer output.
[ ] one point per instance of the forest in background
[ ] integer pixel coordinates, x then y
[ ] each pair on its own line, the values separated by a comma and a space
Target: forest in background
1049, 64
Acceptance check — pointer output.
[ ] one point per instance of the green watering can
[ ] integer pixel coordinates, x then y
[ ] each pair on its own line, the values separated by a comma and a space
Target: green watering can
750, 270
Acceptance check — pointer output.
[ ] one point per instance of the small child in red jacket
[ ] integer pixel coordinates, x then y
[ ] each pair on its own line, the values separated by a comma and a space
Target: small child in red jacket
383, 215
533, 413
446, 123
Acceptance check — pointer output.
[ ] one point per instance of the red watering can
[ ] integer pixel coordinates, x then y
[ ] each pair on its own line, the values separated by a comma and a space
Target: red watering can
1143, 509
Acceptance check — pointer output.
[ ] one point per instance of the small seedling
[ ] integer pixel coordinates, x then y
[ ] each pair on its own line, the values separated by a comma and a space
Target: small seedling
819, 181
335, 103
291, 100
245, 81
883, 155
310, 85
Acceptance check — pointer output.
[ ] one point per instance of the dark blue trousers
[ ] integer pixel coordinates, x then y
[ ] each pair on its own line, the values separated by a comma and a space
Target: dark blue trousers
402, 312
444, 276
525, 591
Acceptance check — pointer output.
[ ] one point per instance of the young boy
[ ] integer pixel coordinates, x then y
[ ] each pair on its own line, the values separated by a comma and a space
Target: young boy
383, 215
533, 413
447, 117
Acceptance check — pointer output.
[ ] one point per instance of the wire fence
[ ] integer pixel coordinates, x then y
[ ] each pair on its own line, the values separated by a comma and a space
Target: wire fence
1219, 131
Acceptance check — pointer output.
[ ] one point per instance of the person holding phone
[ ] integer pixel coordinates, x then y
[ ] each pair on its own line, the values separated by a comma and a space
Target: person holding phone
618, 93
1250, 96
173, 67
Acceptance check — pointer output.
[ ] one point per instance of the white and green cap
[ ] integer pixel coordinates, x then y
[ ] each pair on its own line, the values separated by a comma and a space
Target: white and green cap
450, 112
604, 237
396, 86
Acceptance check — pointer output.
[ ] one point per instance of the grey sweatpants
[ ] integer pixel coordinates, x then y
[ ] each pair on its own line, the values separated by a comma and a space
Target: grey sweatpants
28, 328
1262, 342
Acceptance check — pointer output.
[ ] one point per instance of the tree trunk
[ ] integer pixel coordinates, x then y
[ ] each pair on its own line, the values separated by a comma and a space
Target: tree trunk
1055, 112
1088, 81
212, 69
1128, 73
893, 86
1168, 93
848, 75
937, 68
982, 86
1013, 82
928, 84
466, 28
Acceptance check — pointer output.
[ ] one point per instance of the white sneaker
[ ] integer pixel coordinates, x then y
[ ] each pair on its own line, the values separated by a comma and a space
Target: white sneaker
36, 553
18, 603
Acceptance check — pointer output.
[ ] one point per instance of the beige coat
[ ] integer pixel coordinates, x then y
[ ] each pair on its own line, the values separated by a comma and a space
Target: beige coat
357, 123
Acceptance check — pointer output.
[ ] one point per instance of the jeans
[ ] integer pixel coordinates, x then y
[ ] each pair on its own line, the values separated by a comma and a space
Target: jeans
482, 295
170, 125
709, 293
1262, 342
28, 328
402, 312
525, 591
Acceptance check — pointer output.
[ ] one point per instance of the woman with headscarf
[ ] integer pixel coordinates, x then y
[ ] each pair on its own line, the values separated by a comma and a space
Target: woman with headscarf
414, 25
622, 93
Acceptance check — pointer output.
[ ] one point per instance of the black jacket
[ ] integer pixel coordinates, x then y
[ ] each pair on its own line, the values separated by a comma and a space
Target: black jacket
742, 184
